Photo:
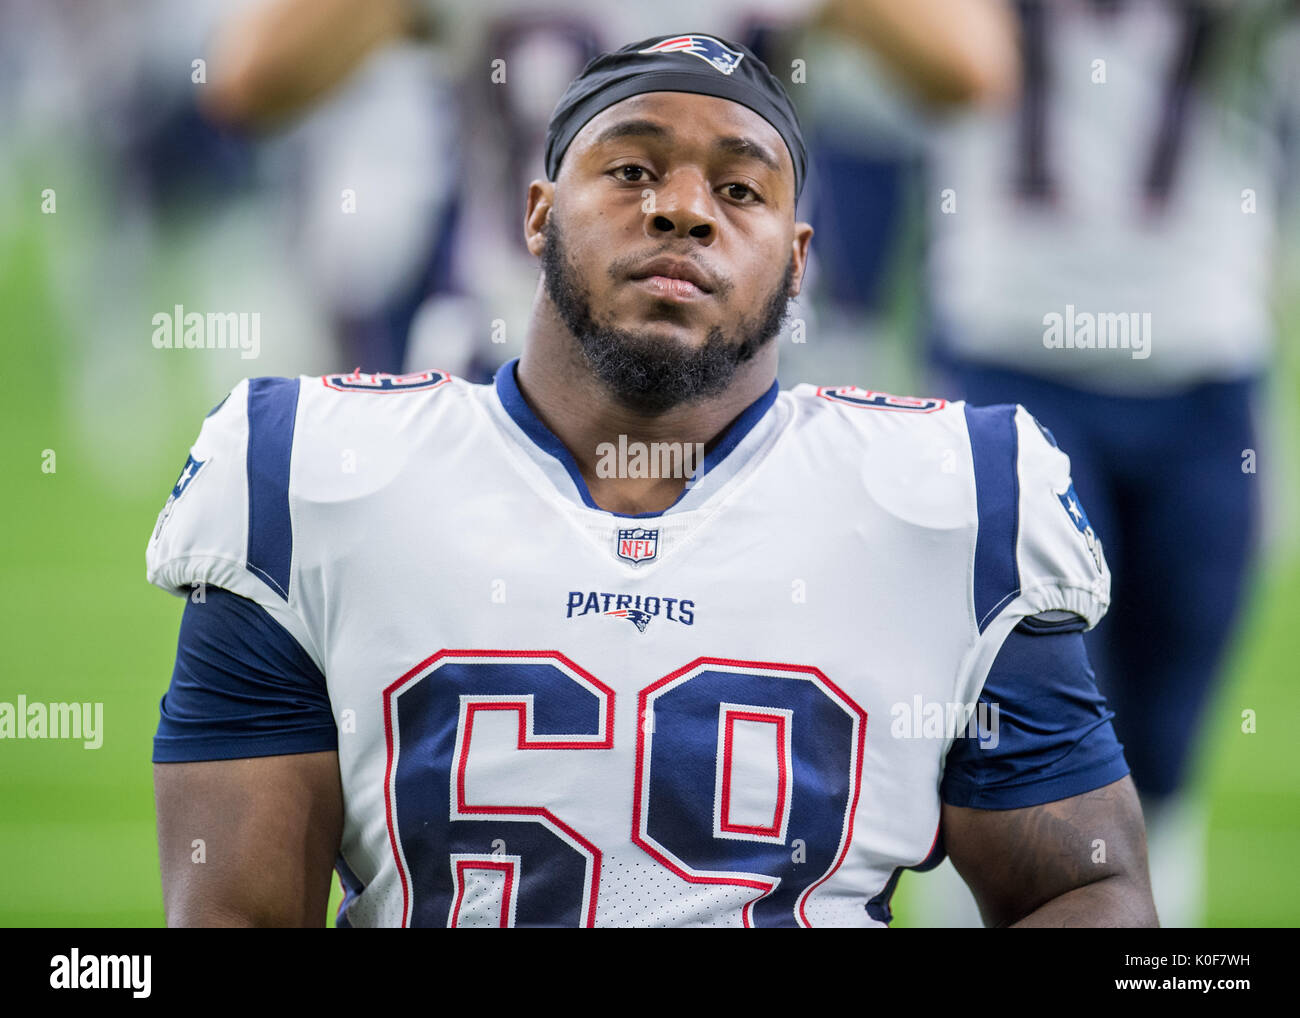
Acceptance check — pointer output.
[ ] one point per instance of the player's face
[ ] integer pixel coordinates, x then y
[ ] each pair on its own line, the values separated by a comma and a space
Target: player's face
668, 243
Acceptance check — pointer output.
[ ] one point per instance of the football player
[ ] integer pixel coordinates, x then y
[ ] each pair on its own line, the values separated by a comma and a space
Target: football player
630, 636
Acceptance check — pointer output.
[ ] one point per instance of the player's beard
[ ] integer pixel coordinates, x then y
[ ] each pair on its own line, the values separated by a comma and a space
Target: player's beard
646, 372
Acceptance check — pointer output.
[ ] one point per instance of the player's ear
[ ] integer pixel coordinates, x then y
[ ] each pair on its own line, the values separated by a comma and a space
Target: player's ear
541, 195
799, 252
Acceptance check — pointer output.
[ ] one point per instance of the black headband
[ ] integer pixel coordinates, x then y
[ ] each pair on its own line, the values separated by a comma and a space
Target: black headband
694, 63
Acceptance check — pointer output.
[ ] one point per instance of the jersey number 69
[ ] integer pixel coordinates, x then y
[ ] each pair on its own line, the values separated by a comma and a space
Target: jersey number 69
697, 729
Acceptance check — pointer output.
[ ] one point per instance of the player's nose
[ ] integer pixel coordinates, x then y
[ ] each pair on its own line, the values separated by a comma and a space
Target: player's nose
682, 206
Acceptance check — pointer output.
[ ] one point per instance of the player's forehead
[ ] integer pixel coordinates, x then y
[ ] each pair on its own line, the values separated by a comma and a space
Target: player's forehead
671, 119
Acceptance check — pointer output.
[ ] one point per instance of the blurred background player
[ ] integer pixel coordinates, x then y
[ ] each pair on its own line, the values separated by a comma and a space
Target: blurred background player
364, 118
1102, 251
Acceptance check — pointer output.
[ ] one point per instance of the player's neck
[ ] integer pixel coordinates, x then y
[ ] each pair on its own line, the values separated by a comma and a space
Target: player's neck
560, 388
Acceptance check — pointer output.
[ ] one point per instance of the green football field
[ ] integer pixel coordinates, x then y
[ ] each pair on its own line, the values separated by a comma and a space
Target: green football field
80, 623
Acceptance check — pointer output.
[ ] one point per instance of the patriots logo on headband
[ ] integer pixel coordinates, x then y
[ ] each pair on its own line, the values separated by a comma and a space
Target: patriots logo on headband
721, 58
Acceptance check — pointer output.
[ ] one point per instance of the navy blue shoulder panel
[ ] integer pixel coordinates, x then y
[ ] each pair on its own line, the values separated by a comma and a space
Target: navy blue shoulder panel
272, 409
994, 450
1042, 733
242, 687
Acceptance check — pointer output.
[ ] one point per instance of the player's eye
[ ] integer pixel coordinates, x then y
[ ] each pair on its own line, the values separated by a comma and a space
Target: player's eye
741, 192
631, 173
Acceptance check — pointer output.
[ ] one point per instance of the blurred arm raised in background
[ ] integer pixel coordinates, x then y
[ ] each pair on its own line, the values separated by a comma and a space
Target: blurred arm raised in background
271, 60
950, 52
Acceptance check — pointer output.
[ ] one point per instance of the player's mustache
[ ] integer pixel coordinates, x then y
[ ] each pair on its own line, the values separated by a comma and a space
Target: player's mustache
622, 266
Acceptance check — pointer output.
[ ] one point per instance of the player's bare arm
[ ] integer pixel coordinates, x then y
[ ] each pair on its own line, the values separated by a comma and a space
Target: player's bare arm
248, 842
1081, 861
950, 52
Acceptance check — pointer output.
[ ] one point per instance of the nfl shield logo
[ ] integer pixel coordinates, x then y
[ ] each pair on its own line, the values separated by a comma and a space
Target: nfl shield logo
721, 57
638, 545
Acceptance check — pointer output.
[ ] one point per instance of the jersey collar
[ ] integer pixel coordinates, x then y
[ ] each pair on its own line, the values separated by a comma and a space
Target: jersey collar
743, 430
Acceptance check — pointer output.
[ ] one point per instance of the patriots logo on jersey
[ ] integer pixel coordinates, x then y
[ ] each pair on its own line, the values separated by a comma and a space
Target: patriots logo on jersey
637, 545
190, 471
639, 608
1074, 509
182, 485
721, 58
637, 617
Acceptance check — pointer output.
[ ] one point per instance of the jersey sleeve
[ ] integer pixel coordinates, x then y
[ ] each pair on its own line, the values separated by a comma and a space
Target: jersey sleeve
241, 687
1041, 730
1038, 565
228, 521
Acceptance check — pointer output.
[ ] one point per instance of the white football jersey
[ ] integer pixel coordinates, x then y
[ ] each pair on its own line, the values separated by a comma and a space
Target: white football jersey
553, 714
